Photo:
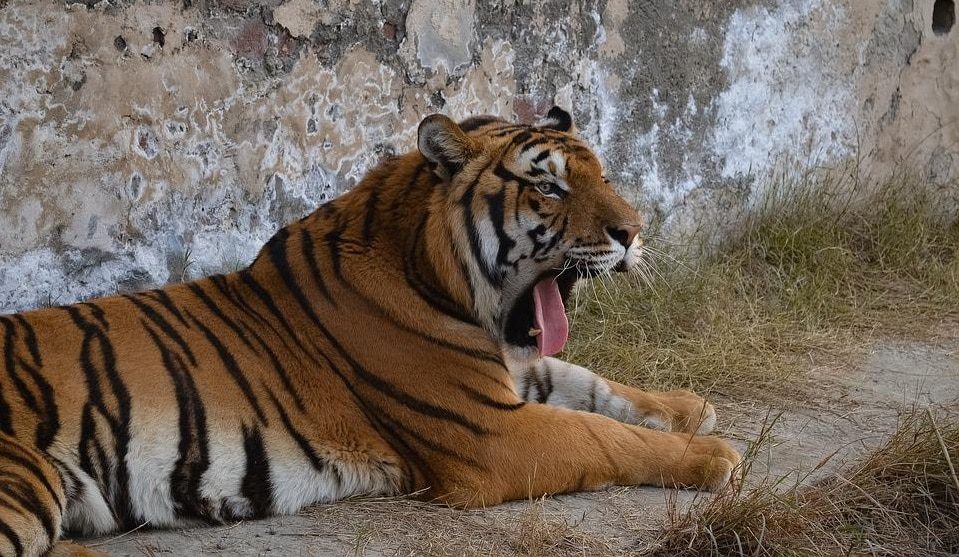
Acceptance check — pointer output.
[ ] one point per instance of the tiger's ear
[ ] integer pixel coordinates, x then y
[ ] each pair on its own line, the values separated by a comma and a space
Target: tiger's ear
557, 119
444, 143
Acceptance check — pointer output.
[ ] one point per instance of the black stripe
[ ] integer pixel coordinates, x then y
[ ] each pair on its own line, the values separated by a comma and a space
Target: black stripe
557, 234
370, 216
93, 459
416, 259
8, 533
533, 378
476, 122
229, 362
30, 503
22, 460
507, 130
496, 203
48, 419
534, 235
9, 358
466, 205
310, 257
460, 349
332, 239
68, 478
119, 423
240, 302
194, 458
165, 326
218, 313
241, 332
164, 299
506, 175
536, 140
315, 459
6, 423
486, 400
547, 386
238, 298
521, 137
433, 445
270, 304
49, 423
97, 313
278, 257
256, 485
374, 417
427, 289
31, 340
542, 156
279, 368
592, 395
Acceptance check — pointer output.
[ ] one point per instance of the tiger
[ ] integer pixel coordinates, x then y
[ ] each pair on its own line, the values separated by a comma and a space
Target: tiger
398, 340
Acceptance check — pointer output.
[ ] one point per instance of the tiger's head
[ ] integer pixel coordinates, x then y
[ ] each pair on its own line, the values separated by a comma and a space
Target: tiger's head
530, 211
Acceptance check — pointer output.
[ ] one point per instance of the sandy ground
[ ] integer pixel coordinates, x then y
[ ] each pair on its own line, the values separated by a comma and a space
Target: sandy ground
842, 413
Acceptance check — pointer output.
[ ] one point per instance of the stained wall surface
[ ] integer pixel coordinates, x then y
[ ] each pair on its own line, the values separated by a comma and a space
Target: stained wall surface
143, 143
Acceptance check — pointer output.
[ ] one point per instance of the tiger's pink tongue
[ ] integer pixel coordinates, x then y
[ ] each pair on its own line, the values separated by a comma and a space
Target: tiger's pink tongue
550, 317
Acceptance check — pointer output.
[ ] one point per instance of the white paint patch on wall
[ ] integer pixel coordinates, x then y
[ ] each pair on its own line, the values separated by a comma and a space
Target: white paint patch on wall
442, 31
787, 100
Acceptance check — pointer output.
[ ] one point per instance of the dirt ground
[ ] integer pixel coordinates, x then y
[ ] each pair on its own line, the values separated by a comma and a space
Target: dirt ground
836, 415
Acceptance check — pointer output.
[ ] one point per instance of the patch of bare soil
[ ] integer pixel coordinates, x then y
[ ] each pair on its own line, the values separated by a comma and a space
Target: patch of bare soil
837, 414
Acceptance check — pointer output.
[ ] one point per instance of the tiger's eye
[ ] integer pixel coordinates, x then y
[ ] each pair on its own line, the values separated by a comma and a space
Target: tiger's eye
546, 188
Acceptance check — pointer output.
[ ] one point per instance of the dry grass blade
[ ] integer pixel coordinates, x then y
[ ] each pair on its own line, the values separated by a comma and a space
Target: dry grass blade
814, 266
901, 499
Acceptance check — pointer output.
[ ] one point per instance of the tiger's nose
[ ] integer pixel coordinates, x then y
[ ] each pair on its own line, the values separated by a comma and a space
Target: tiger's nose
623, 233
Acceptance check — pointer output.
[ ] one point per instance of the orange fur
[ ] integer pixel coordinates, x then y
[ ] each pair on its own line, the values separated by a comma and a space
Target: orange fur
360, 342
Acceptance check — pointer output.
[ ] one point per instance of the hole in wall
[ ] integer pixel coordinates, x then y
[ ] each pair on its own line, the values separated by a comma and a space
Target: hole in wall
943, 16
120, 43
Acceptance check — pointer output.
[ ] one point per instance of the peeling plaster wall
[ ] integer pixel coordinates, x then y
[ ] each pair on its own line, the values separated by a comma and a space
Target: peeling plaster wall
142, 143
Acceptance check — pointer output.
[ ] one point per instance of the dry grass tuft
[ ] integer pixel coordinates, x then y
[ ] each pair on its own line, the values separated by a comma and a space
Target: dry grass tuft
816, 265
539, 534
903, 499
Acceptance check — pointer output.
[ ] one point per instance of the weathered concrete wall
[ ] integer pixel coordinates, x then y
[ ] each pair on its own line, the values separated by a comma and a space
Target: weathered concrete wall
144, 143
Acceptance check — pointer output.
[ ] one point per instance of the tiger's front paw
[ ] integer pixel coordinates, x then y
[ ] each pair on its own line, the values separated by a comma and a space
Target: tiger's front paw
691, 413
708, 463
680, 411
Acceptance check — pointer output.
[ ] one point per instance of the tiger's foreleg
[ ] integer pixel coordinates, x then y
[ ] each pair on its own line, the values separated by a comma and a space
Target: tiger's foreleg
539, 449
553, 381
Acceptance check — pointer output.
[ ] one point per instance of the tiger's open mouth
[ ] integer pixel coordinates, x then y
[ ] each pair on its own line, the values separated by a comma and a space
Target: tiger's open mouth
551, 327
550, 324
539, 315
